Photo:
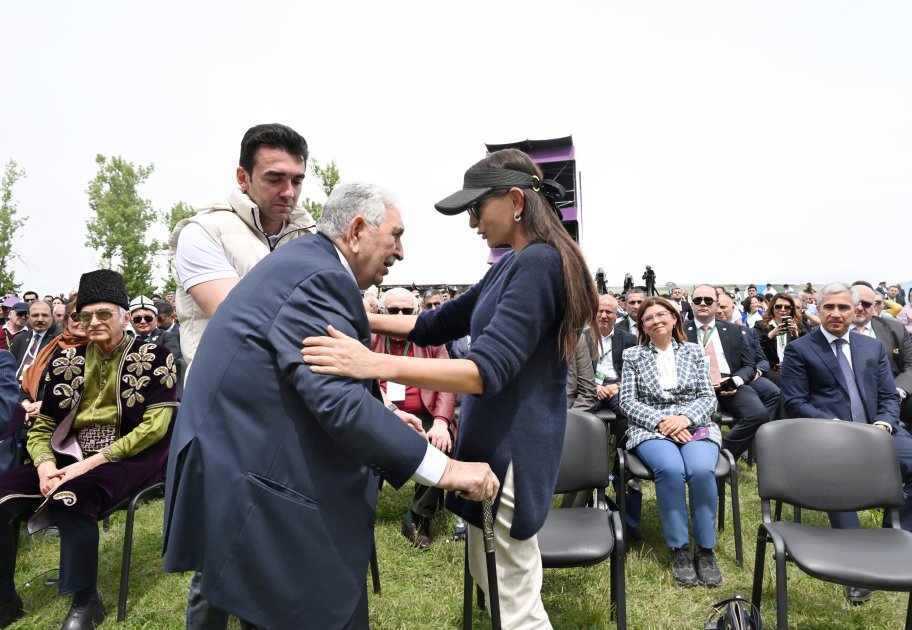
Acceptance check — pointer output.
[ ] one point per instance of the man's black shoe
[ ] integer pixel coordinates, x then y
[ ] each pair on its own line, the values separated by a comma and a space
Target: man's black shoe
857, 596
706, 567
11, 610
84, 616
683, 568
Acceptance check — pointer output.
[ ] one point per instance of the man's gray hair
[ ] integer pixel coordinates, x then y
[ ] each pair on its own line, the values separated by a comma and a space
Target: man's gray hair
350, 200
837, 287
399, 291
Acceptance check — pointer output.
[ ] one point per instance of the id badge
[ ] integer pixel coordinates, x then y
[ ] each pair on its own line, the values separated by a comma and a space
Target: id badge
601, 373
395, 391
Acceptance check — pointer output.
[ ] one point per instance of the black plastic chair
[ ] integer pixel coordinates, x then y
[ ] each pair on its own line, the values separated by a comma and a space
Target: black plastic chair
628, 463
584, 536
129, 504
832, 466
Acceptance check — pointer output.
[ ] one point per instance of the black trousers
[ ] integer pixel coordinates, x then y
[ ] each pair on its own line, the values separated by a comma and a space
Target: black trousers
749, 413
78, 545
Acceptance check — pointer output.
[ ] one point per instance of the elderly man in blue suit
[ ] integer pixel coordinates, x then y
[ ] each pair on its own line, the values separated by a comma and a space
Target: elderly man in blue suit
272, 476
836, 373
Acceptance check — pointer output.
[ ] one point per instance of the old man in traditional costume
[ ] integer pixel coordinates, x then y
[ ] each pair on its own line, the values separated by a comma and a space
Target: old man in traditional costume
102, 434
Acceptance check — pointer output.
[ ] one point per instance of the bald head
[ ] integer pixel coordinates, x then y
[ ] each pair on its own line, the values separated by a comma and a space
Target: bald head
607, 314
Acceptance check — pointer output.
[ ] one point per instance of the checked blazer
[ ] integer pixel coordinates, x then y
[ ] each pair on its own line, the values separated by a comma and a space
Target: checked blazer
645, 403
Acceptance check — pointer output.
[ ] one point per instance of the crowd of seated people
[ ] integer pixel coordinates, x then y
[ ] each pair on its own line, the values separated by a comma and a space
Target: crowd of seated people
769, 324
661, 365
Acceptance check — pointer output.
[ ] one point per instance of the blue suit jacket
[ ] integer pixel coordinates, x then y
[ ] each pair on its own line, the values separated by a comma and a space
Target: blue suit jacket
813, 386
9, 396
270, 491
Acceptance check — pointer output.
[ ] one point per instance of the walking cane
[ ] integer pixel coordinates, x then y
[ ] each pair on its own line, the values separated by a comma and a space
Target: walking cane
488, 535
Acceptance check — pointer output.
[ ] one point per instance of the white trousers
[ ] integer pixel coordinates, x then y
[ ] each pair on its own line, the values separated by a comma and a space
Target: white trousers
519, 568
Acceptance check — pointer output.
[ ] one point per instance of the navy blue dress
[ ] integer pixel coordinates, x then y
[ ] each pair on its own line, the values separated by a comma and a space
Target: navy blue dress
513, 315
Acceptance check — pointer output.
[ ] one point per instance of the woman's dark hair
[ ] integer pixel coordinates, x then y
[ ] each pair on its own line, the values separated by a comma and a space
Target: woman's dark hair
273, 136
768, 315
542, 224
746, 303
677, 331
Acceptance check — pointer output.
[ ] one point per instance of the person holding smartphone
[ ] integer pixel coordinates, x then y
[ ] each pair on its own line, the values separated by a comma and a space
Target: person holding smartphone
668, 398
780, 326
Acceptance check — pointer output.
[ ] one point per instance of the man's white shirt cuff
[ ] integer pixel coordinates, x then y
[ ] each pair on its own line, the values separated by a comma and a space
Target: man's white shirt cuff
431, 468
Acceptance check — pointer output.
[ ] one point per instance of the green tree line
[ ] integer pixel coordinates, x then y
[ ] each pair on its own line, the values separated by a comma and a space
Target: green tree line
122, 221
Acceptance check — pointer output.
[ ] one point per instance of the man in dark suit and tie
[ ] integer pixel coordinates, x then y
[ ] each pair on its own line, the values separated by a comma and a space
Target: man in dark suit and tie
895, 339
42, 330
635, 297
836, 373
272, 475
765, 388
732, 365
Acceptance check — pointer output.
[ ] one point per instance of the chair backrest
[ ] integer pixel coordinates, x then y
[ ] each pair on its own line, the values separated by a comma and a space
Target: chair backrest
585, 456
827, 465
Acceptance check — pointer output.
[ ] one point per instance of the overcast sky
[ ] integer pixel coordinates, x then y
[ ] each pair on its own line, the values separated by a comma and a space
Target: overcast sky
717, 141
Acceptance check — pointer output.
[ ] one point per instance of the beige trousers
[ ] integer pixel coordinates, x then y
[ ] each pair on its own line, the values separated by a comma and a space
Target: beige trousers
519, 568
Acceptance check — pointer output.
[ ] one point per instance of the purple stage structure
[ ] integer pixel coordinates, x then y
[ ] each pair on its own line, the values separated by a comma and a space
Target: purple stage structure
557, 159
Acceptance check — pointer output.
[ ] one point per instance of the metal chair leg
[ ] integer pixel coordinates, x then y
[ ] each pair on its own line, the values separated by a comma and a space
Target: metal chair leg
736, 515
375, 567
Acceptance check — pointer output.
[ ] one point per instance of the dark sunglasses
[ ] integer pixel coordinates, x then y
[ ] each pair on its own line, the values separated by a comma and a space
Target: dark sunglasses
393, 310
143, 318
865, 303
708, 301
102, 314
782, 307
474, 209
430, 305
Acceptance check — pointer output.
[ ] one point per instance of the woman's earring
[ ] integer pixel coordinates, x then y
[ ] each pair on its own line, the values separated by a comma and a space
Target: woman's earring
517, 217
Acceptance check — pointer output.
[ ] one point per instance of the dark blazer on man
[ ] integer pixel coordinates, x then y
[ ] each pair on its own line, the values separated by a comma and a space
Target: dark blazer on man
624, 325
620, 341
813, 385
23, 340
739, 352
896, 339
745, 405
271, 479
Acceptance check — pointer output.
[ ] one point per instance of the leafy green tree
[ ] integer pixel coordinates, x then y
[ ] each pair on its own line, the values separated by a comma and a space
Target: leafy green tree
9, 225
175, 215
120, 227
329, 177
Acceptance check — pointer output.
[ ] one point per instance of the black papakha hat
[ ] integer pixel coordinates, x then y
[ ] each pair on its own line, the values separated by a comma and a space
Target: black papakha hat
480, 182
102, 285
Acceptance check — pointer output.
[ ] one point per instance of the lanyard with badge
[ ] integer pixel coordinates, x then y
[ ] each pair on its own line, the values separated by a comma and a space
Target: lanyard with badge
604, 366
395, 392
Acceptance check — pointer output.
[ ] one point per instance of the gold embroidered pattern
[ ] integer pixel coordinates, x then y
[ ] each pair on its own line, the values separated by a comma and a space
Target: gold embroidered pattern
168, 372
132, 395
68, 392
109, 455
68, 498
141, 360
47, 457
69, 365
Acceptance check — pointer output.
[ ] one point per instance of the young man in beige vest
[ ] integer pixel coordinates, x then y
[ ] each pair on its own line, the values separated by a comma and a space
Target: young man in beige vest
222, 242
217, 246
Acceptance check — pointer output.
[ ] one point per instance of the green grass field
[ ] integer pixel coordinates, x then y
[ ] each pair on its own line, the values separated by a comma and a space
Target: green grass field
424, 589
